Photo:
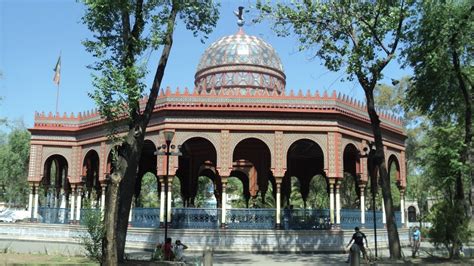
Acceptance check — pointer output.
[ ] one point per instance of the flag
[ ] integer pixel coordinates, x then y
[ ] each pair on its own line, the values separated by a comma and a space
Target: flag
57, 72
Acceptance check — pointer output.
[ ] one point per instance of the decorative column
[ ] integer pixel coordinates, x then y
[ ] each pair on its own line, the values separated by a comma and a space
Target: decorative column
384, 218
170, 199
362, 205
72, 196
224, 202
278, 205
130, 215
162, 202
338, 204
331, 200
35, 203
402, 207
30, 200
78, 205
102, 198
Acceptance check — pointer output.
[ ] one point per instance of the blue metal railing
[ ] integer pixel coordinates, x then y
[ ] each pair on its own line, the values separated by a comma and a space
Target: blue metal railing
209, 218
306, 219
146, 217
250, 218
53, 215
350, 218
369, 219
195, 218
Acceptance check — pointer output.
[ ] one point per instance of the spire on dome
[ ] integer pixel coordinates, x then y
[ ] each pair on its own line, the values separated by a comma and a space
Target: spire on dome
240, 16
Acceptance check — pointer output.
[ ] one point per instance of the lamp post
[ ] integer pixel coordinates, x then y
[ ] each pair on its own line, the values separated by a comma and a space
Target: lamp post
168, 134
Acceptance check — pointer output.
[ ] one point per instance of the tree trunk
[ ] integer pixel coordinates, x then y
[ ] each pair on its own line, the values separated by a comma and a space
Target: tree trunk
109, 247
127, 189
393, 238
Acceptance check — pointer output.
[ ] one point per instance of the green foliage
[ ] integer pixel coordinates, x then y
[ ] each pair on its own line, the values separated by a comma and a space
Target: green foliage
443, 28
348, 192
235, 190
92, 240
318, 197
205, 191
120, 46
357, 36
14, 158
149, 192
450, 228
296, 199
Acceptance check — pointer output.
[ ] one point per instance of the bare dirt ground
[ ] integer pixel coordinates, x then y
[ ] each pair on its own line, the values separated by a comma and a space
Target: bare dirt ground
39, 259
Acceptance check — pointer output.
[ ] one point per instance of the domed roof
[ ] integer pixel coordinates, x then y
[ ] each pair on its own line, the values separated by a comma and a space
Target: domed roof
240, 62
240, 48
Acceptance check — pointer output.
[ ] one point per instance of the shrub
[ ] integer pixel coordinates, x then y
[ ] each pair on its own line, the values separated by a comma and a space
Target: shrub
92, 240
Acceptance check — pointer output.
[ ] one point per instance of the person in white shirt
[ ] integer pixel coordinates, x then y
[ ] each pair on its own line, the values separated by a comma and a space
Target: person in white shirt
178, 250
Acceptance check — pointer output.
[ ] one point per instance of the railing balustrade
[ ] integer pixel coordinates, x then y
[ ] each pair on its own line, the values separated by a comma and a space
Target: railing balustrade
369, 219
53, 215
306, 219
250, 218
146, 217
197, 218
350, 218
209, 218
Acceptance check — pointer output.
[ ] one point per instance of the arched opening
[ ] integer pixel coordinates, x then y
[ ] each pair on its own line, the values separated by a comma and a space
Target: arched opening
305, 160
252, 158
394, 171
198, 158
146, 166
349, 189
411, 214
55, 187
90, 177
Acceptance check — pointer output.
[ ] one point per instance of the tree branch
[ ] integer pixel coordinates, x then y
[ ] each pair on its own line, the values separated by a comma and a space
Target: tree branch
162, 65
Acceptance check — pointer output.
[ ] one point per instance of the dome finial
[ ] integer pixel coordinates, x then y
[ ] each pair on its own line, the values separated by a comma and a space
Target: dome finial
240, 16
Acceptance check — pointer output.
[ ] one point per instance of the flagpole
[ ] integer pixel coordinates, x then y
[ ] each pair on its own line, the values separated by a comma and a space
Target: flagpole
57, 99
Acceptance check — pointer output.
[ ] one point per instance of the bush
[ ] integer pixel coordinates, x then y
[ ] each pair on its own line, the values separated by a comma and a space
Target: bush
450, 227
92, 241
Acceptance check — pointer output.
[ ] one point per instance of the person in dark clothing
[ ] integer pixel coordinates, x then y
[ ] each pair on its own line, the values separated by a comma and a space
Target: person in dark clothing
358, 238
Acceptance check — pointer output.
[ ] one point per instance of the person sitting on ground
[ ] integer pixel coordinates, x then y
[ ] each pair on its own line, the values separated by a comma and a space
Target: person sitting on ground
358, 238
168, 250
179, 250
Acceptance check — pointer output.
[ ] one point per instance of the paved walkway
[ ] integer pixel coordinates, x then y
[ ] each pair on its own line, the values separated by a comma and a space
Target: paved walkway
305, 259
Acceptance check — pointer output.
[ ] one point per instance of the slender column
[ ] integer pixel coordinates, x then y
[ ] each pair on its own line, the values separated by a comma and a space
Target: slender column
338, 205
362, 205
30, 201
170, 190
102, 198
402, 207
224, 203
130, 215
78, 205
384, 218
72, 196
35, 203
278, 205
331, 201
162, 202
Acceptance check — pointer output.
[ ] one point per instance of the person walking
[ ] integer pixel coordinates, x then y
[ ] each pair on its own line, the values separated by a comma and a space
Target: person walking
416, 237
358, 238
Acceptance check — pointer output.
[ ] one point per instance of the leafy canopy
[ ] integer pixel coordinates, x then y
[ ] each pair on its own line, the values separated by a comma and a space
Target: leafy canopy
122, 51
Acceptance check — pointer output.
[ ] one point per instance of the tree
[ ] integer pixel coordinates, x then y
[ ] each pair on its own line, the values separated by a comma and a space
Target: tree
14, 158
359, 37
440, 52
123, 31
442, 160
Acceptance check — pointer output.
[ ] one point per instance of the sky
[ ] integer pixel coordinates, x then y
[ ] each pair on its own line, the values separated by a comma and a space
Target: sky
34, 32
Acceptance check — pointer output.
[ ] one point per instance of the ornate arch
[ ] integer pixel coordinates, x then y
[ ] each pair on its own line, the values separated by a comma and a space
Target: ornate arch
65, 152
290, 139
267, 138
182, 136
